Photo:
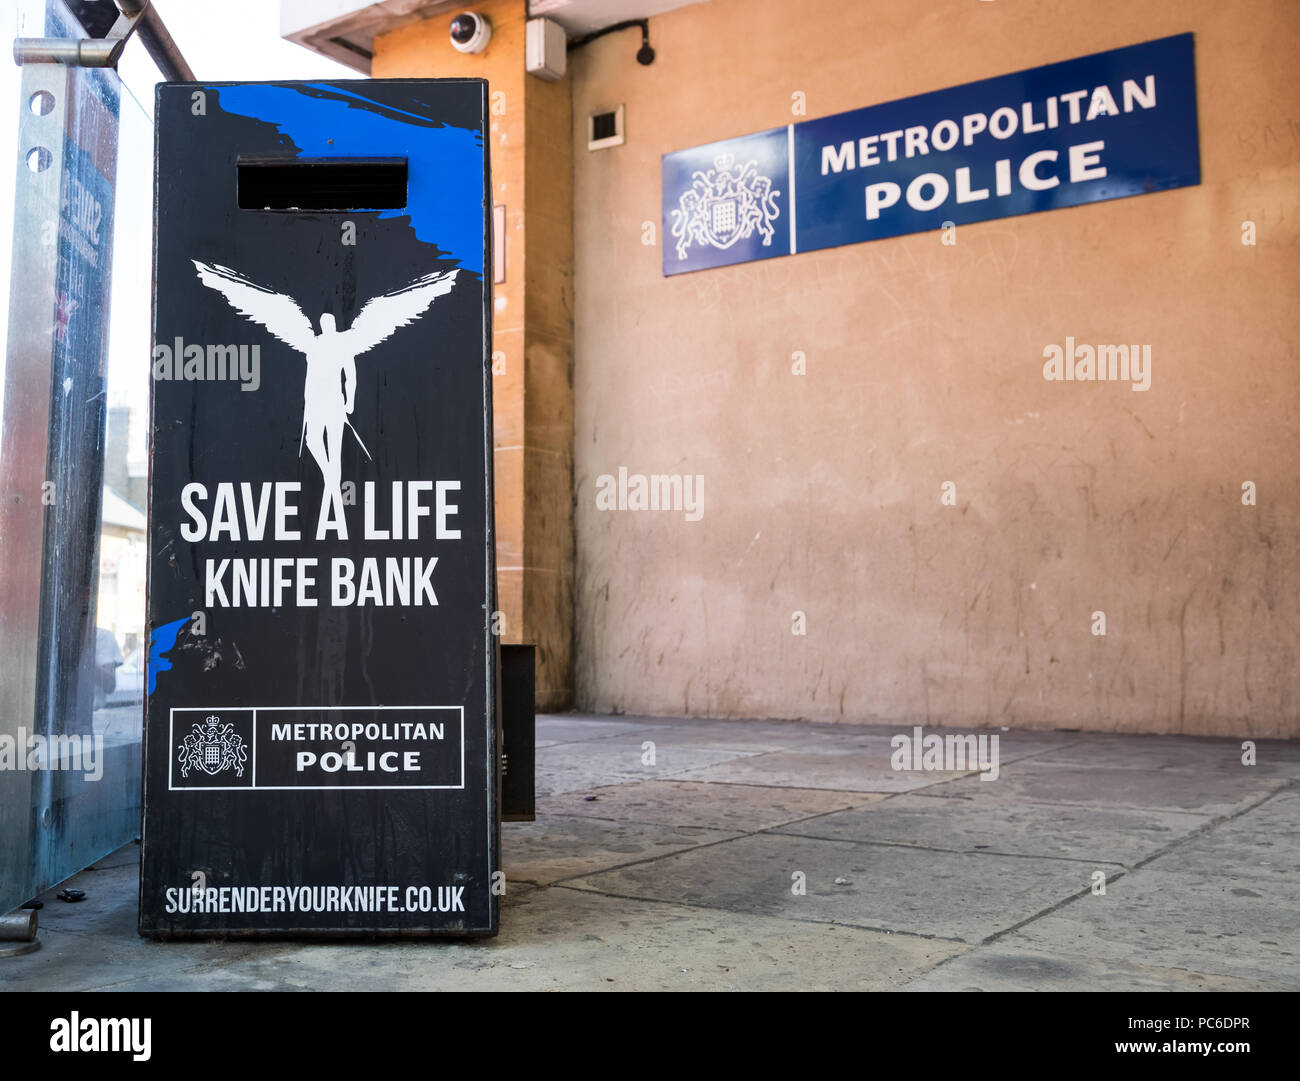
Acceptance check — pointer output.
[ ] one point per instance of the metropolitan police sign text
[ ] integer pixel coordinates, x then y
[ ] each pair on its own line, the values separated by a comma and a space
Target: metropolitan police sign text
1099, 127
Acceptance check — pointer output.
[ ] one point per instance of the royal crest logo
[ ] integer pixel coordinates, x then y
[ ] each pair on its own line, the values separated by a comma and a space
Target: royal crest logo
213, 747
724, 205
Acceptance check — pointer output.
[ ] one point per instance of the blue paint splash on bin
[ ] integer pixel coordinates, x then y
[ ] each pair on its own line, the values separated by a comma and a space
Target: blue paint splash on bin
445, 189
161, 640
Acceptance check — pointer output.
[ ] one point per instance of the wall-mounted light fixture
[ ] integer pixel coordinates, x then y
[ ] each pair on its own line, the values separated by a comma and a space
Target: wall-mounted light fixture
644, 55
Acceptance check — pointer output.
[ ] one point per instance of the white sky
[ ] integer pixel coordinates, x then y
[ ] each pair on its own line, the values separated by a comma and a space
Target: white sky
232, 40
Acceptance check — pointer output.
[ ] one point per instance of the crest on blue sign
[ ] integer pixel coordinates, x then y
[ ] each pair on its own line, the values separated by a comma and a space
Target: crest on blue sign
723, 205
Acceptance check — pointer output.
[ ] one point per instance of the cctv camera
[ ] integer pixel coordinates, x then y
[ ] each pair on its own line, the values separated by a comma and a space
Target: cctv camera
470, 33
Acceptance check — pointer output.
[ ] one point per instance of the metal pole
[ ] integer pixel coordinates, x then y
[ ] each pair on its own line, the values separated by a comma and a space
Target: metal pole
136, 15
18, 926
18, 934
158, 41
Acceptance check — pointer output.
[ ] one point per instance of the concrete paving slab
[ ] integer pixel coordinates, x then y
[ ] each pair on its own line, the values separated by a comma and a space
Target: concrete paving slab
951, 895
558, 847
553, 939
996, 967
1032, 782
742, 808
736, 735
1261, 843
1248, 930
1011, 746
115, 880
670, 873
560, 781
582, 940
1273, 758
845, 770
826, 738
574, 767
126, 856
94, 944
1064, 831
556, 728
712, 731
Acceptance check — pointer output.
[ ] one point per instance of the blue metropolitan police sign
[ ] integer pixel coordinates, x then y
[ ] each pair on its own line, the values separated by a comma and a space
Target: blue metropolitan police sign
1105, 126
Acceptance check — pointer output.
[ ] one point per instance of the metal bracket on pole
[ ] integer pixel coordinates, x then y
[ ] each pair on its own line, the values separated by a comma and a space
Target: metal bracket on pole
106, 51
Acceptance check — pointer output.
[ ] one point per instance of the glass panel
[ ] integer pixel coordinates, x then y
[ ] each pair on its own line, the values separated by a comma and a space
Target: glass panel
73, 459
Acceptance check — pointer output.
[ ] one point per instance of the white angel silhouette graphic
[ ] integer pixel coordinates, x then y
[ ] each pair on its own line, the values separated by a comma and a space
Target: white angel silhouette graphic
329, 388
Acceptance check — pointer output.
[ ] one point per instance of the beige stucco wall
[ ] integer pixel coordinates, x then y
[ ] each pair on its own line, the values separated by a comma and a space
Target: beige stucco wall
822, 491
